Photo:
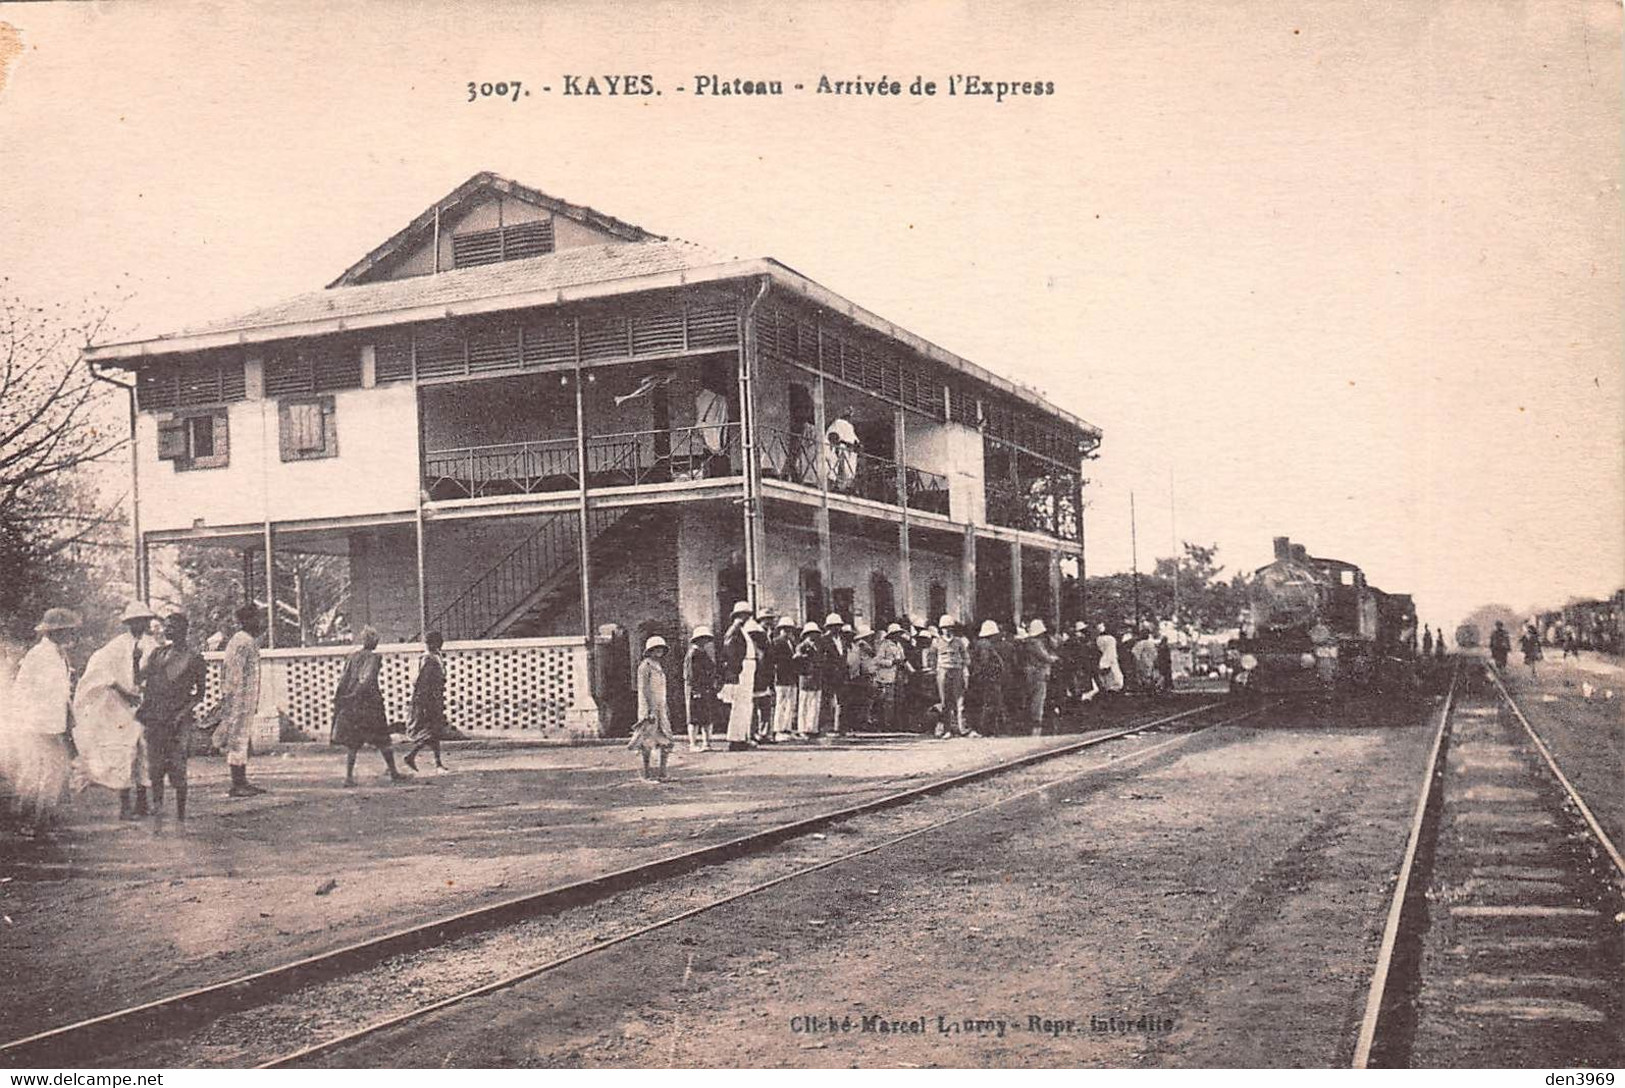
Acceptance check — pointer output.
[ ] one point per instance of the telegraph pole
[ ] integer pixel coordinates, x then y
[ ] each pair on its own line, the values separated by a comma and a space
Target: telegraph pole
1173, 540
1134, 554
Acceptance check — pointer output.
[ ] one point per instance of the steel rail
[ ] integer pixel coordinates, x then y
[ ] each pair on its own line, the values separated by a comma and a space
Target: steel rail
72, 1041
1431, 778
534, 971
1574, 795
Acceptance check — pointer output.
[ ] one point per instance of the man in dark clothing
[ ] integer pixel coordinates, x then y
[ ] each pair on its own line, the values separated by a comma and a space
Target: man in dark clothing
1500, 645
173, 678
784, 676
1165, 665
988, 671
836, 677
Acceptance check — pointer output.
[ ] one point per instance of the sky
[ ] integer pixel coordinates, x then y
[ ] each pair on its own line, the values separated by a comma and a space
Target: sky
1348, 273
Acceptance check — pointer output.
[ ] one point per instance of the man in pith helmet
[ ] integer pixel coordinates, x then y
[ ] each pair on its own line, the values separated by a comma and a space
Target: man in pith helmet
109, 736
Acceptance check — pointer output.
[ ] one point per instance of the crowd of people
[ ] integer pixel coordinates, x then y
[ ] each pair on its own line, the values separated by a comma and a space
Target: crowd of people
769, 679
126, 723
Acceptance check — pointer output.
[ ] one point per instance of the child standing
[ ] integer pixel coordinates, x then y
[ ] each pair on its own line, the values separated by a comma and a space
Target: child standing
428, 724
653, 730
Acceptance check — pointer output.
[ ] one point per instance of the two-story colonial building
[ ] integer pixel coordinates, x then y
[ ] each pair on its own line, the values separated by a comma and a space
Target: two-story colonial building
521, 420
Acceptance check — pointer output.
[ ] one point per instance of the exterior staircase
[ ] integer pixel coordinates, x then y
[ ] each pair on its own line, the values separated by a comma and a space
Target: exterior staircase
522, 589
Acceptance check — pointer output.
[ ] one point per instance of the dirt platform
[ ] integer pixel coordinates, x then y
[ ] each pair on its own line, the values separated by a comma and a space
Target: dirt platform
112, 913
1220, 907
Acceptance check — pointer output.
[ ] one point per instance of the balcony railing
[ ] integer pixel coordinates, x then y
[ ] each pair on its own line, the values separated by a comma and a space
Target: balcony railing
613, 460
680, 453
794, 458
1042, 505
927, 491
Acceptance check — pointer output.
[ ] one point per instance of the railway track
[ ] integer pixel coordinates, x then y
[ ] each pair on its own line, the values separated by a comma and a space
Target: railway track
180, 1014
1504, 944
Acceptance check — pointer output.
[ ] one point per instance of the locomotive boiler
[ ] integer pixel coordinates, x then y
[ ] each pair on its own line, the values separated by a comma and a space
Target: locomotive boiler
1315, 625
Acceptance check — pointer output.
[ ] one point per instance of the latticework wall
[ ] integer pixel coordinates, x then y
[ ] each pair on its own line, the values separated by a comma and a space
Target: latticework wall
511, 686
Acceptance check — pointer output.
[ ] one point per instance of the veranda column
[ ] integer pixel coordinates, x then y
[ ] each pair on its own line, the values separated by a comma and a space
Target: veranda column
423, 587
904, 563
1055, 587
967, 575
1015, 582
583, 716
826, 560
747, 444
270, 589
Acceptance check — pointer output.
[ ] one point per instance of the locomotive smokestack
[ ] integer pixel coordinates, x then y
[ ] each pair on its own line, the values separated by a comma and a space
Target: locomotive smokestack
1283, 547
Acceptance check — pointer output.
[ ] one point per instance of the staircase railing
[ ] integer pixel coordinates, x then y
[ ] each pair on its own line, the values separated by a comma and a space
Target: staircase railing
537, 559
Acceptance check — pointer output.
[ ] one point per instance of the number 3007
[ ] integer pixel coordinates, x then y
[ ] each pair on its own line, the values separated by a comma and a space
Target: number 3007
511, 91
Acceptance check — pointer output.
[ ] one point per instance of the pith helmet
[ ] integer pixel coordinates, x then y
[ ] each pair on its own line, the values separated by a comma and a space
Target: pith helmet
136, 610
948, 621
742, 607
810, 627
702, 631
57, 619
988, 628
1036, 628
786, 621
833, 620
655, 642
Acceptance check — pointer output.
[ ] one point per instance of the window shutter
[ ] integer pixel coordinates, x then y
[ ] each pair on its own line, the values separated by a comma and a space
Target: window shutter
171, 440
307, 427
222, 439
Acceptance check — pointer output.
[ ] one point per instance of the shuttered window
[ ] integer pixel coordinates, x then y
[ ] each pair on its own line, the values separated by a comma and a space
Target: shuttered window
392, 357
509, 243
189, 381
306, 429
196, 440
312, 368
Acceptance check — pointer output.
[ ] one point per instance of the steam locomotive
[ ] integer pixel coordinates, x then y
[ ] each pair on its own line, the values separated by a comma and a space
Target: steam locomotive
1315, 625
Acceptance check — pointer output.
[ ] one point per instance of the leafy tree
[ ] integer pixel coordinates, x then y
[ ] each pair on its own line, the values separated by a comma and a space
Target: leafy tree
1205, 599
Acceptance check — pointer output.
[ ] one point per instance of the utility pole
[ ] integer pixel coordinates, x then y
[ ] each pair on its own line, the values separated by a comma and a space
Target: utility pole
1134, 555
1173, 540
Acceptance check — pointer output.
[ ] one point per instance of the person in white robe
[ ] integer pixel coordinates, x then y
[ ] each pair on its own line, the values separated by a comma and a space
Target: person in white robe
1109, 670
36, 720
110, 738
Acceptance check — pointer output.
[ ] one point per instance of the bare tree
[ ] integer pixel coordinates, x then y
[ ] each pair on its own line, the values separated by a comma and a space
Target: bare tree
56, 421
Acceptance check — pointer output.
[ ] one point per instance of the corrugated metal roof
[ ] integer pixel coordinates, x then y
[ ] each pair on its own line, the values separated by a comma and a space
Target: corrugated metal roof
563, 268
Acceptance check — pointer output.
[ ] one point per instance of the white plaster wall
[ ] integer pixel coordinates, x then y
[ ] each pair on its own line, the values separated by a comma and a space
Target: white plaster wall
375, 471
175, 499
786, 549
955, 451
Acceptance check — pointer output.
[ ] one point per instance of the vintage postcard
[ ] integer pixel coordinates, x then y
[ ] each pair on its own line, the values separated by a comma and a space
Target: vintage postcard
829, 534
